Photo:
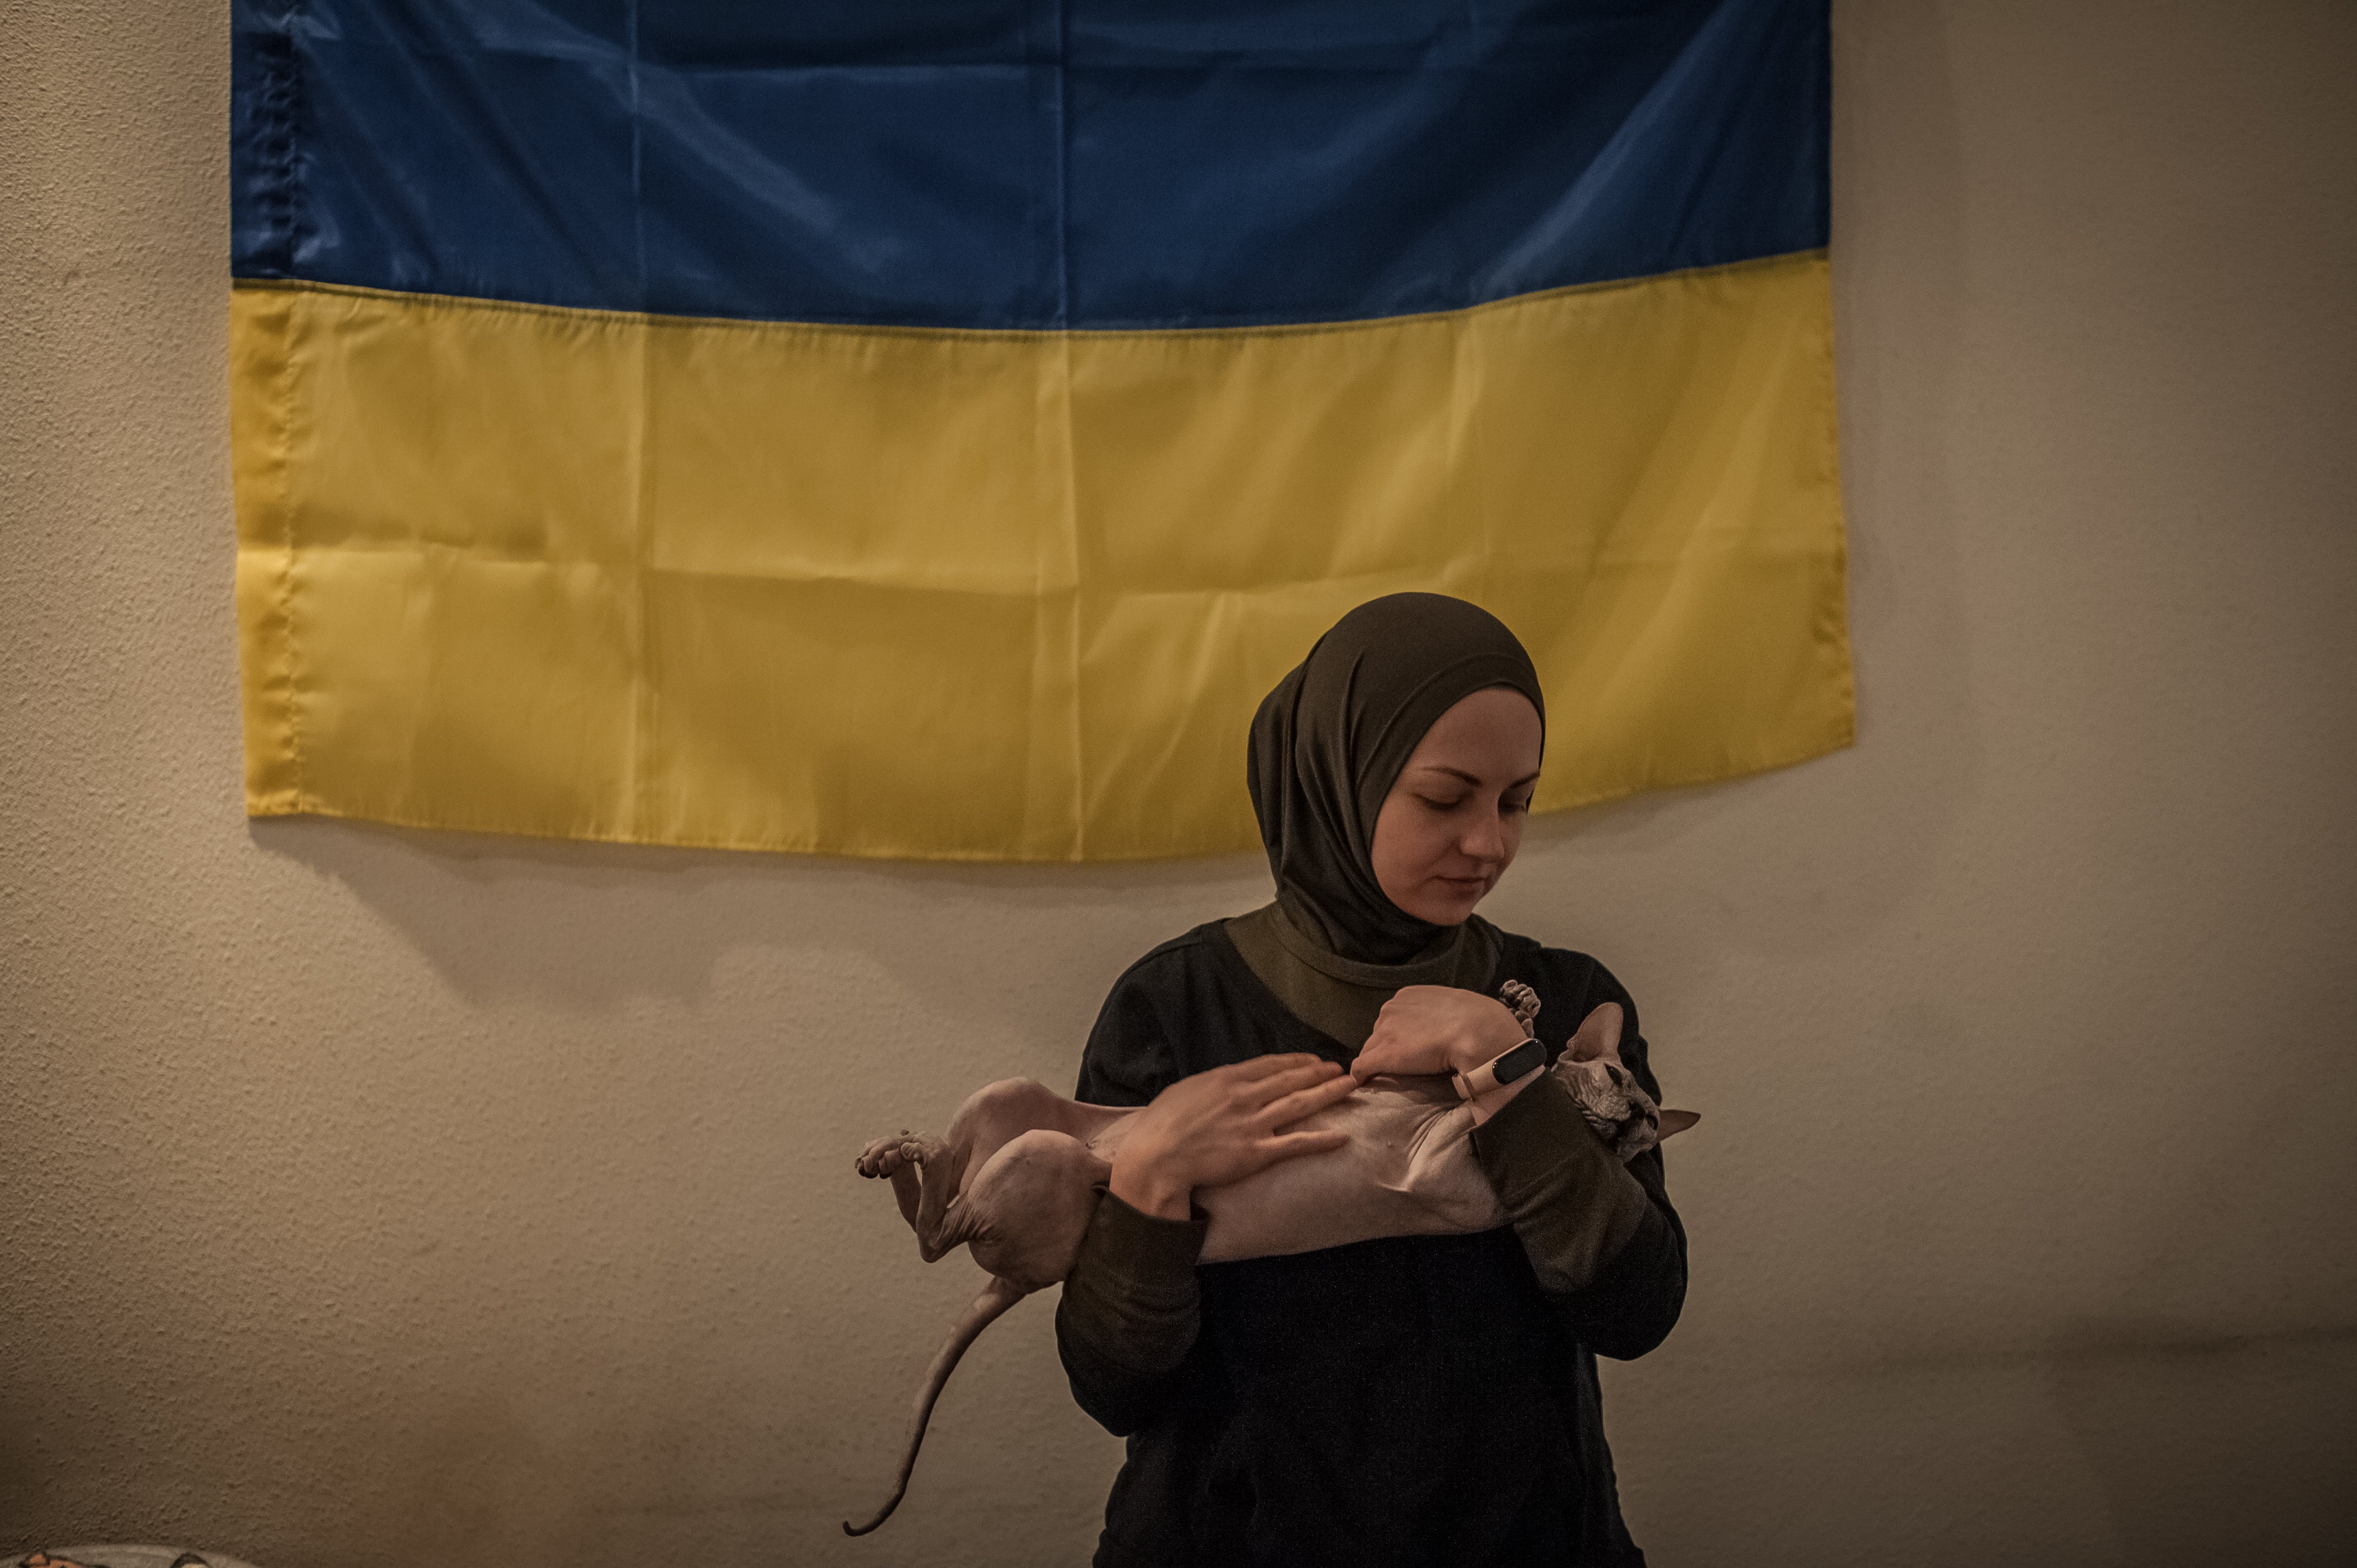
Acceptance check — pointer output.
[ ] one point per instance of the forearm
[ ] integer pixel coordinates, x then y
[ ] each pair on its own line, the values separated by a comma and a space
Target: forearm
1606, 1247
1130, 1313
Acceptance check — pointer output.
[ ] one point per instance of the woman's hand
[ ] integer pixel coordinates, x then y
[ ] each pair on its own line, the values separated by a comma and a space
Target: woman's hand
1434, 1029
1224, 1125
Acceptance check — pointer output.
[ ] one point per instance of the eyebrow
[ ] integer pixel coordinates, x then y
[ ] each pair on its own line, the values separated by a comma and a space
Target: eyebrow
1470, 778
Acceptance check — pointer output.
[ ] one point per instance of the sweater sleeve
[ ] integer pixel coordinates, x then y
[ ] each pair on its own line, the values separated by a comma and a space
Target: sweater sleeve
1601, 1236
1130, 1309
1130, 1313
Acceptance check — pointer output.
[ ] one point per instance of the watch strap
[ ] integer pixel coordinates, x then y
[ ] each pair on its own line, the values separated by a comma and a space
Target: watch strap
1528, 1056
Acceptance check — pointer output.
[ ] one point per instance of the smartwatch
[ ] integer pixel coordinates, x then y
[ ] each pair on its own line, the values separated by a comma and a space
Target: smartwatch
1507, 1067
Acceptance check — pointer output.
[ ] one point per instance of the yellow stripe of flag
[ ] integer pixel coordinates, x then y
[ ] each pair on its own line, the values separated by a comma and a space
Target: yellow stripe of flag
1003, 594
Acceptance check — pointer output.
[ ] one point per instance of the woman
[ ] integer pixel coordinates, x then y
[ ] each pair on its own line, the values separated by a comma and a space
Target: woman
1417, 1399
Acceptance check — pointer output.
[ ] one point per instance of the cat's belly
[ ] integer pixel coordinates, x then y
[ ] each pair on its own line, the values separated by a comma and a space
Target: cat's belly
1407, 1170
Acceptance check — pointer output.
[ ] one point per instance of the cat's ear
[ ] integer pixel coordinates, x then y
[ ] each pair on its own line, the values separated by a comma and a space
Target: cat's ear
1678, 1121
1599, 1035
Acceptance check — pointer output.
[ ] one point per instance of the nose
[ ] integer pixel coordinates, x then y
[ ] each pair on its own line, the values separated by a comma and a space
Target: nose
1485, 837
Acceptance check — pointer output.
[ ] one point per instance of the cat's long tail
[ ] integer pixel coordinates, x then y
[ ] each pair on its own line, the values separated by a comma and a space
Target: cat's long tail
995, 1298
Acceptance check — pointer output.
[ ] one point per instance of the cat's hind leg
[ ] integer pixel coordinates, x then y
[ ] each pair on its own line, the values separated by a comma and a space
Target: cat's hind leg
919, 1167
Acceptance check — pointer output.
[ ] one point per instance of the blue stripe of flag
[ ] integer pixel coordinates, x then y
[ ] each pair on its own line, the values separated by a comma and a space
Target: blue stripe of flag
975, 163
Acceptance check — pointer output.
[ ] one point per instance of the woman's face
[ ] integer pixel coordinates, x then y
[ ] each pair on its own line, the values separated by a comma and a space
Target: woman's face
1450, 826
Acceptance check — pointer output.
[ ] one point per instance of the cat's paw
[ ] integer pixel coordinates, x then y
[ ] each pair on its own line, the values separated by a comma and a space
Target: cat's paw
887, 1154
1523, 1001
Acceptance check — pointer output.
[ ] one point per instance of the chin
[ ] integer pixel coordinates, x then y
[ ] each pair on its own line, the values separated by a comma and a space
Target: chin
1446, 905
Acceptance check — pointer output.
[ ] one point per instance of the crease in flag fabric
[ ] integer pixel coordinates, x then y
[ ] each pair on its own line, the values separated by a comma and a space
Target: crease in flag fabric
927, 429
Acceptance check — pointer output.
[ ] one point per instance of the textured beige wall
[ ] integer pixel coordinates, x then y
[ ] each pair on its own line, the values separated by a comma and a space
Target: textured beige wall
368, 1193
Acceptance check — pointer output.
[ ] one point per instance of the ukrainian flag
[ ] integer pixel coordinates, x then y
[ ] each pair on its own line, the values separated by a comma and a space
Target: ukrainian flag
926, 427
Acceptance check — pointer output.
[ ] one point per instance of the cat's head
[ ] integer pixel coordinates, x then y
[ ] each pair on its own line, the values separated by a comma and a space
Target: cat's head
1607, 1093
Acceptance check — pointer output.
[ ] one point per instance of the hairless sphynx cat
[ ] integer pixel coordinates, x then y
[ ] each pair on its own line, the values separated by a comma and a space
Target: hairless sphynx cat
1018, 1174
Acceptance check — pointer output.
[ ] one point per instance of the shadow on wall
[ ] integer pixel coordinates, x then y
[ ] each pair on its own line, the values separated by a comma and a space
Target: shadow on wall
2214, 1448
580, 926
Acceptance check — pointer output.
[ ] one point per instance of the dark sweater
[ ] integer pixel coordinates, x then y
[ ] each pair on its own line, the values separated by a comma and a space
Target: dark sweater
1409, 1400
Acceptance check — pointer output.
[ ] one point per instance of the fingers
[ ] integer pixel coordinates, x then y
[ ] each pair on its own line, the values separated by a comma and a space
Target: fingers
1263, 1067
1307, 1101
1293, 1146
1267, 1090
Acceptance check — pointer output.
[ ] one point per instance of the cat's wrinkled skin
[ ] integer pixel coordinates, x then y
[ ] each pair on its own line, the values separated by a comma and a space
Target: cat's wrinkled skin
1018, 1175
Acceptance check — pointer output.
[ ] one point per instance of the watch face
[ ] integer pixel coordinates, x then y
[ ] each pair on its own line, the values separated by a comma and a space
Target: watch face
1523, 1059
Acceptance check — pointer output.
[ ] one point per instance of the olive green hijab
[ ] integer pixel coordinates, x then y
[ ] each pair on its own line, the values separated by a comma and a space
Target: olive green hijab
1326, 747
